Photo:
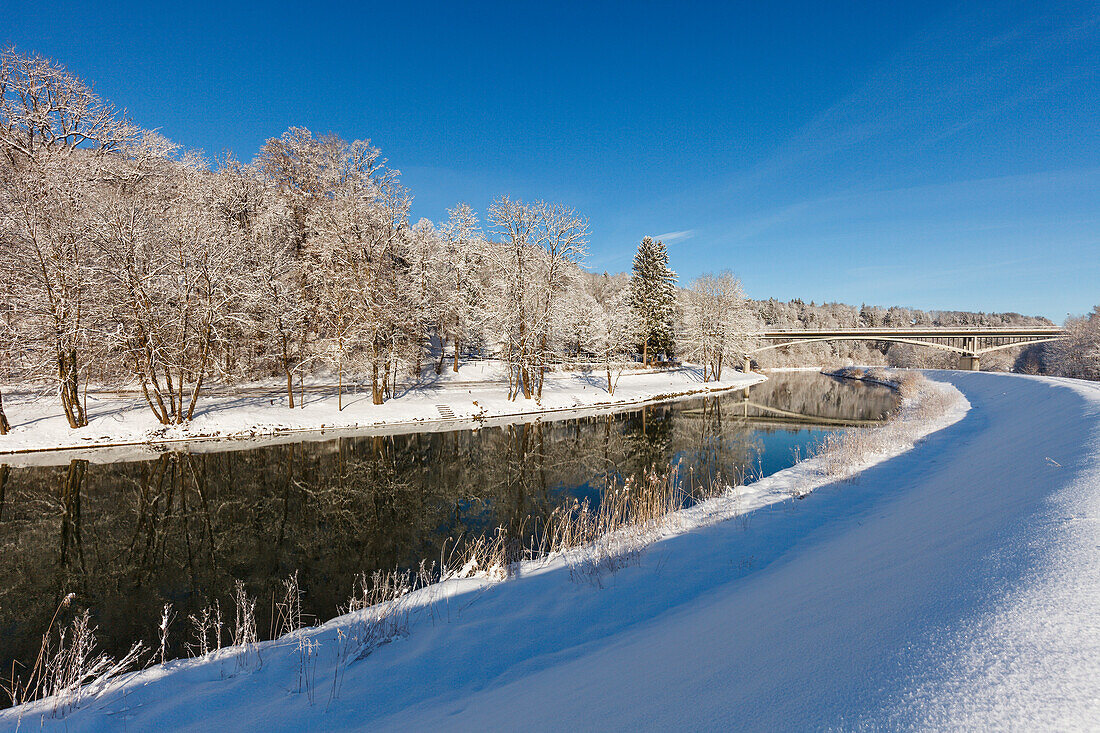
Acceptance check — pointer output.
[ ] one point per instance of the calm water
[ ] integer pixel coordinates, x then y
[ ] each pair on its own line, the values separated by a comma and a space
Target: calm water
129, 537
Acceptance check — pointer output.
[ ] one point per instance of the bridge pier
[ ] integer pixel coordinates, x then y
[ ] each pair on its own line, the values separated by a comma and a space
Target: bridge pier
970, 363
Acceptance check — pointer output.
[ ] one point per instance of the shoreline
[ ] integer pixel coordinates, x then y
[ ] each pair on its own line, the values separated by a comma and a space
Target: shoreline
567, 395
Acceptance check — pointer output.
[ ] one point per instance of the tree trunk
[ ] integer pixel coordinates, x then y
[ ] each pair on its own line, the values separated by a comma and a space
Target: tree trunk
149, 374
375, 387
525, 375
5, 426
170, 390
457, 342
199, 377
161, 416
511, 372
541, 365
645, 353
179, 388
286, 369
68, 388
195, 397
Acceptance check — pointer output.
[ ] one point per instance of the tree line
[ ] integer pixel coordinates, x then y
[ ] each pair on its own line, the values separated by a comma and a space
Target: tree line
125, 259
128, 260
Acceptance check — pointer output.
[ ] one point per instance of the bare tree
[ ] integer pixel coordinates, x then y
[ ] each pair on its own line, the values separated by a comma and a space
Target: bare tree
1077, 355
357, 228
536, 255
58, 139
8, 339
273, 267
564, 238
177, 260
457, 286
614, 333
718, 324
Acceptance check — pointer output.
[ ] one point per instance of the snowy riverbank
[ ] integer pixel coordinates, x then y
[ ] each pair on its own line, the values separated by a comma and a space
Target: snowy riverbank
950, 585
476, 393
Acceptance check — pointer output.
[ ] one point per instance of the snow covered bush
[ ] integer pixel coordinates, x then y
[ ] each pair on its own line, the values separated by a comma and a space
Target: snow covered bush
1078, 355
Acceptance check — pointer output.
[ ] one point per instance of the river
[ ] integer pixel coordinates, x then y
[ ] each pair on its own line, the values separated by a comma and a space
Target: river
182, 528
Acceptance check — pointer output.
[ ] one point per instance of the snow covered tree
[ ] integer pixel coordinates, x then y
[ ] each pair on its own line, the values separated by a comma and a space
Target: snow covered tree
276, 302
58, 139
535, 258
9, 340
460, 297
420, 297
1077, 355
177, 264
348, 217
718, 323
564, 240
653, 297
614, 334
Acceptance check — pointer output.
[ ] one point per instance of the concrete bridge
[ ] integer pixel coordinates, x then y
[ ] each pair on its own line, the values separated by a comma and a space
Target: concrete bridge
968, 342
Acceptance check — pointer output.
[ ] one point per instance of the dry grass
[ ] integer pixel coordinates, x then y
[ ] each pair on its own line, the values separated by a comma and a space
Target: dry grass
842, 454
245, 637
166, 619
592, 540
68, 669
604, 539
380, 615
206, 631
287, 616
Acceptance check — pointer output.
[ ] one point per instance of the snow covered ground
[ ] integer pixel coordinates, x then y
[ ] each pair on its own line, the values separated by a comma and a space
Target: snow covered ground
477, 392
954, 585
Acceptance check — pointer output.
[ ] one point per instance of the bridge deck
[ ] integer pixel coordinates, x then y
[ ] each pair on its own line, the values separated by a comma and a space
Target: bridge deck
963, 340
931, 332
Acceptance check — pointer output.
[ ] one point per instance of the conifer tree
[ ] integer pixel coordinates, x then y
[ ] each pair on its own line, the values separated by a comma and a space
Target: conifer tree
653, 296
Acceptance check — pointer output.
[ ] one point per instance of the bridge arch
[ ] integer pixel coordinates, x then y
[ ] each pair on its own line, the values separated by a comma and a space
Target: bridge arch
962, 341
944, 347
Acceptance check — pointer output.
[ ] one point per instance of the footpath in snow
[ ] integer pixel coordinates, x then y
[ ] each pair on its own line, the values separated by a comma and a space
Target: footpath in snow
953, 585
477, 392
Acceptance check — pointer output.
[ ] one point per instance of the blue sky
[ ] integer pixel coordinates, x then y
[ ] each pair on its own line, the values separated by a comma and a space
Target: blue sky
935, 155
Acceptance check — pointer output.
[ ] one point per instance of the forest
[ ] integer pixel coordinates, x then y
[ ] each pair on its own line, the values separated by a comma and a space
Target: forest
128, 260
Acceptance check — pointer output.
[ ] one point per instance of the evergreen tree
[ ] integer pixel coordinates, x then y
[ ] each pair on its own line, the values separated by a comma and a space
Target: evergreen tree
653, 297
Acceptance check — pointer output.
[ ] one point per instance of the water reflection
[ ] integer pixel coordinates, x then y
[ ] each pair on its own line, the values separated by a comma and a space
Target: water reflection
129, 537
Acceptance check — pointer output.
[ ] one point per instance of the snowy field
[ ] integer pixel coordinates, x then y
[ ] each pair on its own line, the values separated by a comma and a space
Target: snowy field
954, 585
477, 392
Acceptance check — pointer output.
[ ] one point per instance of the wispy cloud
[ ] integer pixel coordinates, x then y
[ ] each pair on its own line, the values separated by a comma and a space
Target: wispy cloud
668, 237
948, 79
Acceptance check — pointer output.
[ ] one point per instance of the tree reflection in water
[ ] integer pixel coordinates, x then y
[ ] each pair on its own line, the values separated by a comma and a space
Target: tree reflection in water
129, 537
